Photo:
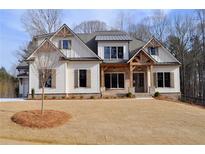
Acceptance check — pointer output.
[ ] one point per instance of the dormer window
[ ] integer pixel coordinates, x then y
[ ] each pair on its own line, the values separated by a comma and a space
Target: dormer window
64, 44
113, 52
153, 51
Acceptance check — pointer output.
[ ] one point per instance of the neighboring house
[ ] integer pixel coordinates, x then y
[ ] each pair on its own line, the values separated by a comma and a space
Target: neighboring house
102, 63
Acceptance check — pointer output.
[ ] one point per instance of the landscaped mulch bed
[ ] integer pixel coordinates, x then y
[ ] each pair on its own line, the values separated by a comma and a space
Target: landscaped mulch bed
34, 118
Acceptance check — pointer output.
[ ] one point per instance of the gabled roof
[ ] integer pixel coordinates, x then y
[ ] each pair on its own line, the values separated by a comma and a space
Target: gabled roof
142, 50
166, 49
65, 26
45, 42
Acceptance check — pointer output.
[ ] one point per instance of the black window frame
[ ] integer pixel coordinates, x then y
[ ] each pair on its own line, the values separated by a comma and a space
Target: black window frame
166, 82
111, 50
153, 51
61, 44
82, 85
108, 50
110, 76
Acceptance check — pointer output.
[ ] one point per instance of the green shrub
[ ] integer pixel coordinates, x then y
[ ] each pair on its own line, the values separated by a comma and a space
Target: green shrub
81, 97
129, 95
156, 94
45, 97
54, 97
32, 93
63, 97
92, 97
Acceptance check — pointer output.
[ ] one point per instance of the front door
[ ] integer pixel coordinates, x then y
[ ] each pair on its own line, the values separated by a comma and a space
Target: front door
138, 82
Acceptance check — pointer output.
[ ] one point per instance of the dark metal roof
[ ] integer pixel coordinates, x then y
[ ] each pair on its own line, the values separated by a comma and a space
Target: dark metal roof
115, 61
113, 38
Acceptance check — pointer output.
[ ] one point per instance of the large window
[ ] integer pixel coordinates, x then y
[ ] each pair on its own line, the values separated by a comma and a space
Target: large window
107, 52
48, 82
64, 44
114, 80
153, 50
113, 52
163, 79
82, 78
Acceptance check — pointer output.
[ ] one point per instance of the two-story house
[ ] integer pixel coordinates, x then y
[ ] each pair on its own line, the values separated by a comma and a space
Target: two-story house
102, 63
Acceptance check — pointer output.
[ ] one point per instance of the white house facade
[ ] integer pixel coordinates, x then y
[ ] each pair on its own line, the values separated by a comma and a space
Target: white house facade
101, 63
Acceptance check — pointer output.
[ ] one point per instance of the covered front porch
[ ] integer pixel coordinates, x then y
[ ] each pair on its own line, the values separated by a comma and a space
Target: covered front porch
135, 76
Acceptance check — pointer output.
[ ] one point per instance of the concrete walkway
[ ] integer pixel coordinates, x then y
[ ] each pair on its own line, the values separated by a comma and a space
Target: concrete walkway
11, 99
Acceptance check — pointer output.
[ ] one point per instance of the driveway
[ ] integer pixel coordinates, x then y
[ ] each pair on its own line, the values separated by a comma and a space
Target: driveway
117, 121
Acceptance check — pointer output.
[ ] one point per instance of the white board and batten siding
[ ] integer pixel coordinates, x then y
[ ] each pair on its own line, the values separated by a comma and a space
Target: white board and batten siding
163, 55
94, 68
102, 44
77, 50
175, 71
60, 80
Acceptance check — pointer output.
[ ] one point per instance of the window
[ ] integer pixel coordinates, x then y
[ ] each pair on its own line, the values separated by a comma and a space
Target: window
113, 52
153, 51
107, 80
65, 44
160, 79
107, 52
167, 79
120, 52
82, 78
121, 80
114, 80
48, 82
163, 79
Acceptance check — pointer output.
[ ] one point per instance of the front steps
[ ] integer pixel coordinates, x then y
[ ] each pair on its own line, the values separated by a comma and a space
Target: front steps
143, 96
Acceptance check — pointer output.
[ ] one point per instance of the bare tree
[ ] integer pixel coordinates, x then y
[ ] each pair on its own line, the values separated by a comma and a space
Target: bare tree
44, 68
38, 22
90, 26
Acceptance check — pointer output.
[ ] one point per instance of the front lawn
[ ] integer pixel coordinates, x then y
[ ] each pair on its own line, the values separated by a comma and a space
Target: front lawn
125, 121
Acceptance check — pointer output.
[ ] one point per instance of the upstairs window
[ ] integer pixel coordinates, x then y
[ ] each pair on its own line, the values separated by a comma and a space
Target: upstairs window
64, 44
113, 52
107, 52
153, 51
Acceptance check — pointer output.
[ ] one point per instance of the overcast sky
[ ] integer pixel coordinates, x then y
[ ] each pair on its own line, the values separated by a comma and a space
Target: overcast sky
12, 34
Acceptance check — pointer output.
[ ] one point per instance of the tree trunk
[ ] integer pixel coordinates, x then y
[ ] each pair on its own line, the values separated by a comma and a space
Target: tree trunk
42, 100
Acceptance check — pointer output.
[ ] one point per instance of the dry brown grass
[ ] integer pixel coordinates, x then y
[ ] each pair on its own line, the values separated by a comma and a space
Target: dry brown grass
34, 118
115, 121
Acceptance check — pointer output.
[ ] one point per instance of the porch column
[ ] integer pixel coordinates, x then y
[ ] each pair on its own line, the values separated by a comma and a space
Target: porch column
102, 80
152, 88
151, 75
131, 89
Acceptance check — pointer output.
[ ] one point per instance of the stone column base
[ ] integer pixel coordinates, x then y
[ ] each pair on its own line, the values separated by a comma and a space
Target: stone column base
131, 90
151, 90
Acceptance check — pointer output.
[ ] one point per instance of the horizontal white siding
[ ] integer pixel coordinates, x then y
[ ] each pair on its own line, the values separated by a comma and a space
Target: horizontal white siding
102, 44
95, 77
175, 70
